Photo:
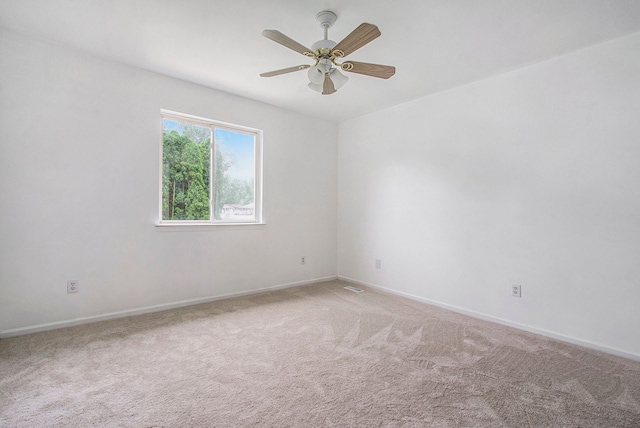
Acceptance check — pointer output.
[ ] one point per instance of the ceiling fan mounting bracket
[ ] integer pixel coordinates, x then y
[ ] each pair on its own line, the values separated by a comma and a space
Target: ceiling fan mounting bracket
326, 18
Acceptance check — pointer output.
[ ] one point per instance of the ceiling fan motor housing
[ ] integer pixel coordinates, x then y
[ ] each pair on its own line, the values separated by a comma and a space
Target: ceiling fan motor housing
322, 45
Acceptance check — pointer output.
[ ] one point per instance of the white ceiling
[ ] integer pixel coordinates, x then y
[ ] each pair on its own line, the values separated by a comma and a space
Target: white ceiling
434, 44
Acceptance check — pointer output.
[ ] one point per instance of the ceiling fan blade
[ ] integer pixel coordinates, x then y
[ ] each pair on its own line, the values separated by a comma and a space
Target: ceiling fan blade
373, 70
284, 71
327, 87
356, 39
285, 41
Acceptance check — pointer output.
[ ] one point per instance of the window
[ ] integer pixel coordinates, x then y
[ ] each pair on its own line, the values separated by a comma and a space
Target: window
211, 172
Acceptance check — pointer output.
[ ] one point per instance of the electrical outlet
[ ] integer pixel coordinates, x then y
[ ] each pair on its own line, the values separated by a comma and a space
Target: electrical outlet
516, 290
303, 260
378, 264
72, 286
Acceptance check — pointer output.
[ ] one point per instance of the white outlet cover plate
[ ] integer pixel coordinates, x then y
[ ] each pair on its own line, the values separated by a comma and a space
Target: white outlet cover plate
516, 290
72, 286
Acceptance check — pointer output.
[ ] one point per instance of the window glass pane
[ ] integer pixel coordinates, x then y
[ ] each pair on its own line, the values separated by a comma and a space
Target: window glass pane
186, 160
234, 176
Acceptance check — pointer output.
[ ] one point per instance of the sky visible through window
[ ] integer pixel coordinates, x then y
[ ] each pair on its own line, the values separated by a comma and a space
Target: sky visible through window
242, 147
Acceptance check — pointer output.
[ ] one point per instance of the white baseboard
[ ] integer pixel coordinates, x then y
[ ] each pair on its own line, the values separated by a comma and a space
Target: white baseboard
147, 309
482, 316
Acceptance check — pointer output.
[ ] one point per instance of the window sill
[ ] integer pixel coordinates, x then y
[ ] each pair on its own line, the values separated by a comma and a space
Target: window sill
186, 226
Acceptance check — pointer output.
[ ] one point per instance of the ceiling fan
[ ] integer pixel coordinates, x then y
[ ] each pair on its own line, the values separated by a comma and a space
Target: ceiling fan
324, 76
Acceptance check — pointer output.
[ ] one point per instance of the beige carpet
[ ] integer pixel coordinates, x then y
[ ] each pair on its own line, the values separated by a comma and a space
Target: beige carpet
310, 356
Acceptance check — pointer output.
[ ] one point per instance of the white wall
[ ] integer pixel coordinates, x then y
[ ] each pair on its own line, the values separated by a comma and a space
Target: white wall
530, 177
79, 168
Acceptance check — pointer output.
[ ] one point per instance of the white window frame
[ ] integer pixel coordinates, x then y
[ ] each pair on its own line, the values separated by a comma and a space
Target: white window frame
212, 125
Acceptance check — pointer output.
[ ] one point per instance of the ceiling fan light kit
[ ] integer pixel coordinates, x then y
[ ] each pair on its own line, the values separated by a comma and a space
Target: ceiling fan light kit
325, 76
